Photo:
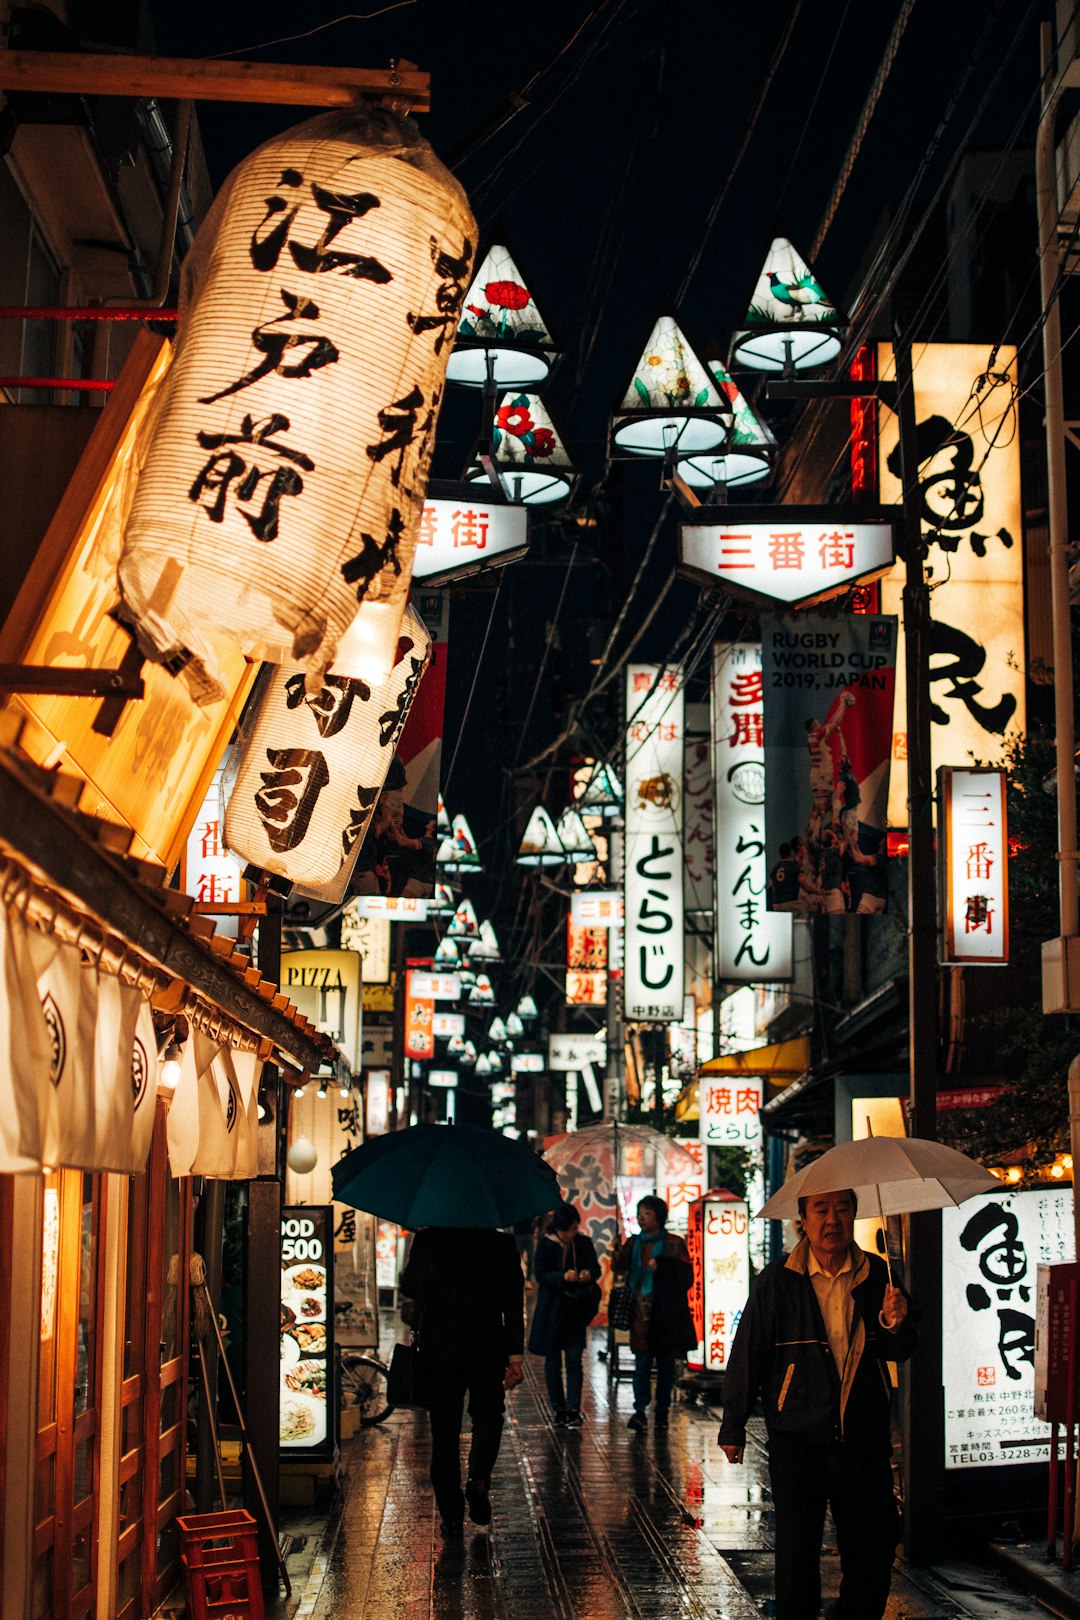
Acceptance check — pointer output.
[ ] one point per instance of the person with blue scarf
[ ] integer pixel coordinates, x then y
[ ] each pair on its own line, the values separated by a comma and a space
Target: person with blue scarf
659, 1273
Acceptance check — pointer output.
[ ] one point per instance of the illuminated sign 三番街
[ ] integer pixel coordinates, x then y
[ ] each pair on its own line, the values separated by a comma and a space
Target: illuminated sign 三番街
790, 555
653, 844
458, 537
597, 909
974, 851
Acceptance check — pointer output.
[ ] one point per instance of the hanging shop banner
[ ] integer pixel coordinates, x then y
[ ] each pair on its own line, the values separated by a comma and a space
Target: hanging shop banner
791, 555
369, 937
973, 846
392, 907
753, 944
419, 1013
829, 684
377, 1046
725, 1270
991, 1248
730, 1113
314, 766
586, 948
653, 986
459, 537
288, 451
447, 1025
527, 1063
597, 908
436, 986
972, 523
327, 988
376, 1102
567, 1052
699, 868
308, 1410
585, 989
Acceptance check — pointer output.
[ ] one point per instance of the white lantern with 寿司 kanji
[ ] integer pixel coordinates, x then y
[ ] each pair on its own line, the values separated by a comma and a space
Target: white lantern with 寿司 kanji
282, 470
312, 767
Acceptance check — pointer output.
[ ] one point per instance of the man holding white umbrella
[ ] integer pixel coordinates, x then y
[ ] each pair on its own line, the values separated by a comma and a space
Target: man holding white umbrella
813, 1342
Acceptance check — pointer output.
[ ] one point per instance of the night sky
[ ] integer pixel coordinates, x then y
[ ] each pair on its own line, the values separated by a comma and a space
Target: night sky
604, 185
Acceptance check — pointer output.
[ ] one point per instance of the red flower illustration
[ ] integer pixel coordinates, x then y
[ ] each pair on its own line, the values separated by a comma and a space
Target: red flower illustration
506, 294
514, 419
543, 442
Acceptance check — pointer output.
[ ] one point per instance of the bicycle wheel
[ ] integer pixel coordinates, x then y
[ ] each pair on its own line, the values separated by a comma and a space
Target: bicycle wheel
364, 1378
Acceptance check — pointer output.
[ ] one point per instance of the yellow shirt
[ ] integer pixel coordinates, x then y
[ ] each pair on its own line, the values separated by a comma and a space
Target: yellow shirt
833, 1290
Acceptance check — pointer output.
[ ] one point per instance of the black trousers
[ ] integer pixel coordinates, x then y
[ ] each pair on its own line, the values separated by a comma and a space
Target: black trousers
448, 1384
855, 1481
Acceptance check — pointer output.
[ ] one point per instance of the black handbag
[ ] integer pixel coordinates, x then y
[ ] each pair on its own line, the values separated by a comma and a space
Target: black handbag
406, 1382
581, 1301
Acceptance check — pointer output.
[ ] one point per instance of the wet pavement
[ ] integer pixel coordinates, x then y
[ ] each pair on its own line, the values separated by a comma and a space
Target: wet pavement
592, 1524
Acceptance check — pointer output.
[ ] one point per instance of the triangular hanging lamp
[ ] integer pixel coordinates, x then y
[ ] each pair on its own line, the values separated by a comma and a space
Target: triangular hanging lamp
540, 846
485, 947
528, 453
497, 1030
747, 456
468, 1057
457, 854
443, 902
496, 1062
526, 1009
482, 993
483, 1065
442, 820
791, 324
602, 794
671, 405
514, 1026
502, 340
463, 923
447, 953
574, 836
455, 1046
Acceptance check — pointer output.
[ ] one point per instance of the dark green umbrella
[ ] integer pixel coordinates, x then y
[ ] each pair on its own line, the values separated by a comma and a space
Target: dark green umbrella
446, 1175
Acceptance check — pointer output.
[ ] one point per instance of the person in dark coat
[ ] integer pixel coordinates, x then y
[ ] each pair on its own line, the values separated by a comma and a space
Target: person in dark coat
657, 1266
469, 1320
813, 1341
566, 1270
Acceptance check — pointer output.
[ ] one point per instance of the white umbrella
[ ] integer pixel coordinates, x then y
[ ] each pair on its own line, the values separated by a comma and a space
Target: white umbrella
897, 1175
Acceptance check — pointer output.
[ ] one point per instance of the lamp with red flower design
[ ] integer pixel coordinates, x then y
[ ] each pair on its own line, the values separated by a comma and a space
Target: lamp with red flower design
502, 340
527, 452
671, 405
791, 324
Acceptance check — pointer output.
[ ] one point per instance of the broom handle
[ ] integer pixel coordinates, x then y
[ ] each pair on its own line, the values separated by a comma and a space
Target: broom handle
213, 1426
251, 1455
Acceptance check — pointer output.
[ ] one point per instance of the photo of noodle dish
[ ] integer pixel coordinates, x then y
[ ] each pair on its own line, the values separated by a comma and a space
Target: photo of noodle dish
306, 1378
303, 1420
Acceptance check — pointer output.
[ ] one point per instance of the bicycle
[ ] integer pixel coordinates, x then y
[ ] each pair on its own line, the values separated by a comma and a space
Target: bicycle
361, 1375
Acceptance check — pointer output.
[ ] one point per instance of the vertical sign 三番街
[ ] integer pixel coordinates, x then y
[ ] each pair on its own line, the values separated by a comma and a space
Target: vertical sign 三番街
991, 1248
308, 1414
968, 449
653, 975
753, 944
974, 887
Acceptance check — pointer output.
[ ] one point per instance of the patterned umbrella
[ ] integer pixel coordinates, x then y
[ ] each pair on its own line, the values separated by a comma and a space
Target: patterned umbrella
600, 1153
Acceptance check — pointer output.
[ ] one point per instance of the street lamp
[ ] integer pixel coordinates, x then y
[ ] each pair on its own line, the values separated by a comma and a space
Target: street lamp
526, 452
602, 794
447, 954
747, 456
485, 947
502, 340
540, 844
791, 324
671, 405
456, 854
463, 924
575, 837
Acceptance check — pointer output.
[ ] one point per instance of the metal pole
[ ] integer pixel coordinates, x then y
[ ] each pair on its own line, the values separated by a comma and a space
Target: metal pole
923, 1405
206, 1447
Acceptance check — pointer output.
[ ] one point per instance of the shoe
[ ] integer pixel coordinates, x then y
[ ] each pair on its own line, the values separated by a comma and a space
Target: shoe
661, 1420
476, 1494
574, 1420
561, 1419
639, 1421
452, 1532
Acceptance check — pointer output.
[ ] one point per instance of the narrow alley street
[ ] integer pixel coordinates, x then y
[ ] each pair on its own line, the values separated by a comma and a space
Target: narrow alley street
590, 1524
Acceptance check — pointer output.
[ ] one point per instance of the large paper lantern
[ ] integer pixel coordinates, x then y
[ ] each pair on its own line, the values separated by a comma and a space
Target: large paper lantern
284, 465
312, 767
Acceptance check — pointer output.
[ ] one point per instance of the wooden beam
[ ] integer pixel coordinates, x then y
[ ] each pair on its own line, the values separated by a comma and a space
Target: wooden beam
178, 78
40, 835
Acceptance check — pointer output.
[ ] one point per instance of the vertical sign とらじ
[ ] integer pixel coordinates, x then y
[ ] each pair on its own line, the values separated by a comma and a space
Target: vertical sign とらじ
308, 1417
653, 983
753, 944
973, 845
725, 1271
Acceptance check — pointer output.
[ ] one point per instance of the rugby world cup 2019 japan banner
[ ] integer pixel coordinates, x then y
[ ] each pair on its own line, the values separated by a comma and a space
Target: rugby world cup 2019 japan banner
828, 685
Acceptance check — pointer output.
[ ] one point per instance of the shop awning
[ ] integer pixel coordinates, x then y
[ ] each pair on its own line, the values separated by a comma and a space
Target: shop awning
779, 1065
82, 862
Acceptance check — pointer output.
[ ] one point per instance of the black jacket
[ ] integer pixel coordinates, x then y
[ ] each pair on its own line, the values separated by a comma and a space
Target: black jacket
469, 1292
669, 1331
781, 1352
551, 1330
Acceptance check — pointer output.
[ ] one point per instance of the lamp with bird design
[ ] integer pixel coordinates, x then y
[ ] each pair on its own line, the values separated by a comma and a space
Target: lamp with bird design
791, 324
502, 339
671, 404
457, 853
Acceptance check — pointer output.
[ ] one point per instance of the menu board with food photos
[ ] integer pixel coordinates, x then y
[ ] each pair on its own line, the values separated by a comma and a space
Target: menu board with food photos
308, 1420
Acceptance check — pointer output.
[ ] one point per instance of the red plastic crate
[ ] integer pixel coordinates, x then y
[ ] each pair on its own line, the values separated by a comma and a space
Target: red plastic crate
220, 1555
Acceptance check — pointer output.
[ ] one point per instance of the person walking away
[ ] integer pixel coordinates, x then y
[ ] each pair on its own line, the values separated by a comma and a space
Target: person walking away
524, 1237
659, 1273
567, 1274
469, 1319
813, 1342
